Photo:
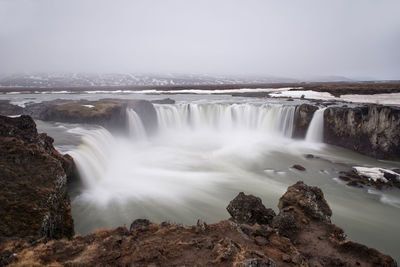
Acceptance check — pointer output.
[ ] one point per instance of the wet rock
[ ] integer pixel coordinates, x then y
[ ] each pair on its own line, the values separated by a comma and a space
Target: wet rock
9, 109
374, 177
354, 184
372, 130
344, 178
390, 176
298, 167
302, 119
163, 101
249, 209
33, 183
309, 156
109, 113
139, 223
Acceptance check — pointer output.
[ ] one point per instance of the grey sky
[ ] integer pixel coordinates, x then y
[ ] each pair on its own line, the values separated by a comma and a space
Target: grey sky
353, 38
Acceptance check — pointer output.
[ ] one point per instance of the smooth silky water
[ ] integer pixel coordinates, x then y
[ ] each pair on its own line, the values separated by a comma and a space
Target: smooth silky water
205, 152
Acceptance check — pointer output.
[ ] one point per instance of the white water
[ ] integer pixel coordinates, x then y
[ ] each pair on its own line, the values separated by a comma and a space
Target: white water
272, 119
135, 125
315, 132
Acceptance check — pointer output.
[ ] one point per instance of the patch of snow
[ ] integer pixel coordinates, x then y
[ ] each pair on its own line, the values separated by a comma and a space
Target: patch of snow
88, 106
13, 116
13, 93
384, 99
308, 94
375, 174
194, 91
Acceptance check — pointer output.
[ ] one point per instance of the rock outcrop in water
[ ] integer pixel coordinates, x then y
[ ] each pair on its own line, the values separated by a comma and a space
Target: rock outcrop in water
372, 130
109, 113
300, 235
9, 109
33, 176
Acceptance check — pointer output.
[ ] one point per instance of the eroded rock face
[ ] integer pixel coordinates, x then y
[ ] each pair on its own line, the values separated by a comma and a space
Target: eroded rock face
310, 200
33, 178
9, 109
250, 210
371, 130
302, 119
109, 113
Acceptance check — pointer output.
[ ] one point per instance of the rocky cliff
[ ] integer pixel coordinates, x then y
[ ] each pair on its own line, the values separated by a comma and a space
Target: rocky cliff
6, 108
109, 113
33, 176
372, 130
302, 119
300, 235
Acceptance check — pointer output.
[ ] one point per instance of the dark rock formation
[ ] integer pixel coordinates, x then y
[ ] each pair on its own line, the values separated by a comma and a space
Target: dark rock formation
33, 178
250, 210
304, 218
353, 178
9, 109
109, 113
298, 167
309, 199
371, 130
302, 119
139, 223
302, 235
163, 101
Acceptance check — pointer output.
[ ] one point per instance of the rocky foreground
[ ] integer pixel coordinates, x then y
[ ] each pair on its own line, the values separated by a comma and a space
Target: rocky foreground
33, 183
37, 229
300, 235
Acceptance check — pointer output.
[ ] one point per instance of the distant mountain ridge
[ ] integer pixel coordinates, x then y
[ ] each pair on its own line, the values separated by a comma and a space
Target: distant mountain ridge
48, 80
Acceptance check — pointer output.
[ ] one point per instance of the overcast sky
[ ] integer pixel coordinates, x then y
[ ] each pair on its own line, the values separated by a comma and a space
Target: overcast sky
353, 38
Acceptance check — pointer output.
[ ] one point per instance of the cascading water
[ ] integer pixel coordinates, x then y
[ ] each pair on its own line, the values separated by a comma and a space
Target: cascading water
315, 132
276, 119
135, 125
198, 151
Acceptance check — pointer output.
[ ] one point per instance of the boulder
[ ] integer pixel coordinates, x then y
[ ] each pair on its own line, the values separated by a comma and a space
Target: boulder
298, 167
139, 223
308, 199
33, 183
250, 210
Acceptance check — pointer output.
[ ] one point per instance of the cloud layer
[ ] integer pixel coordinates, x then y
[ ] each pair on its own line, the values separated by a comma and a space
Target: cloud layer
356, 38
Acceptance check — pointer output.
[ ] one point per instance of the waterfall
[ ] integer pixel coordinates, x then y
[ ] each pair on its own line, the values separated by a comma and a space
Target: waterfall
92, 156
226, 117
315, 132
135, 125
